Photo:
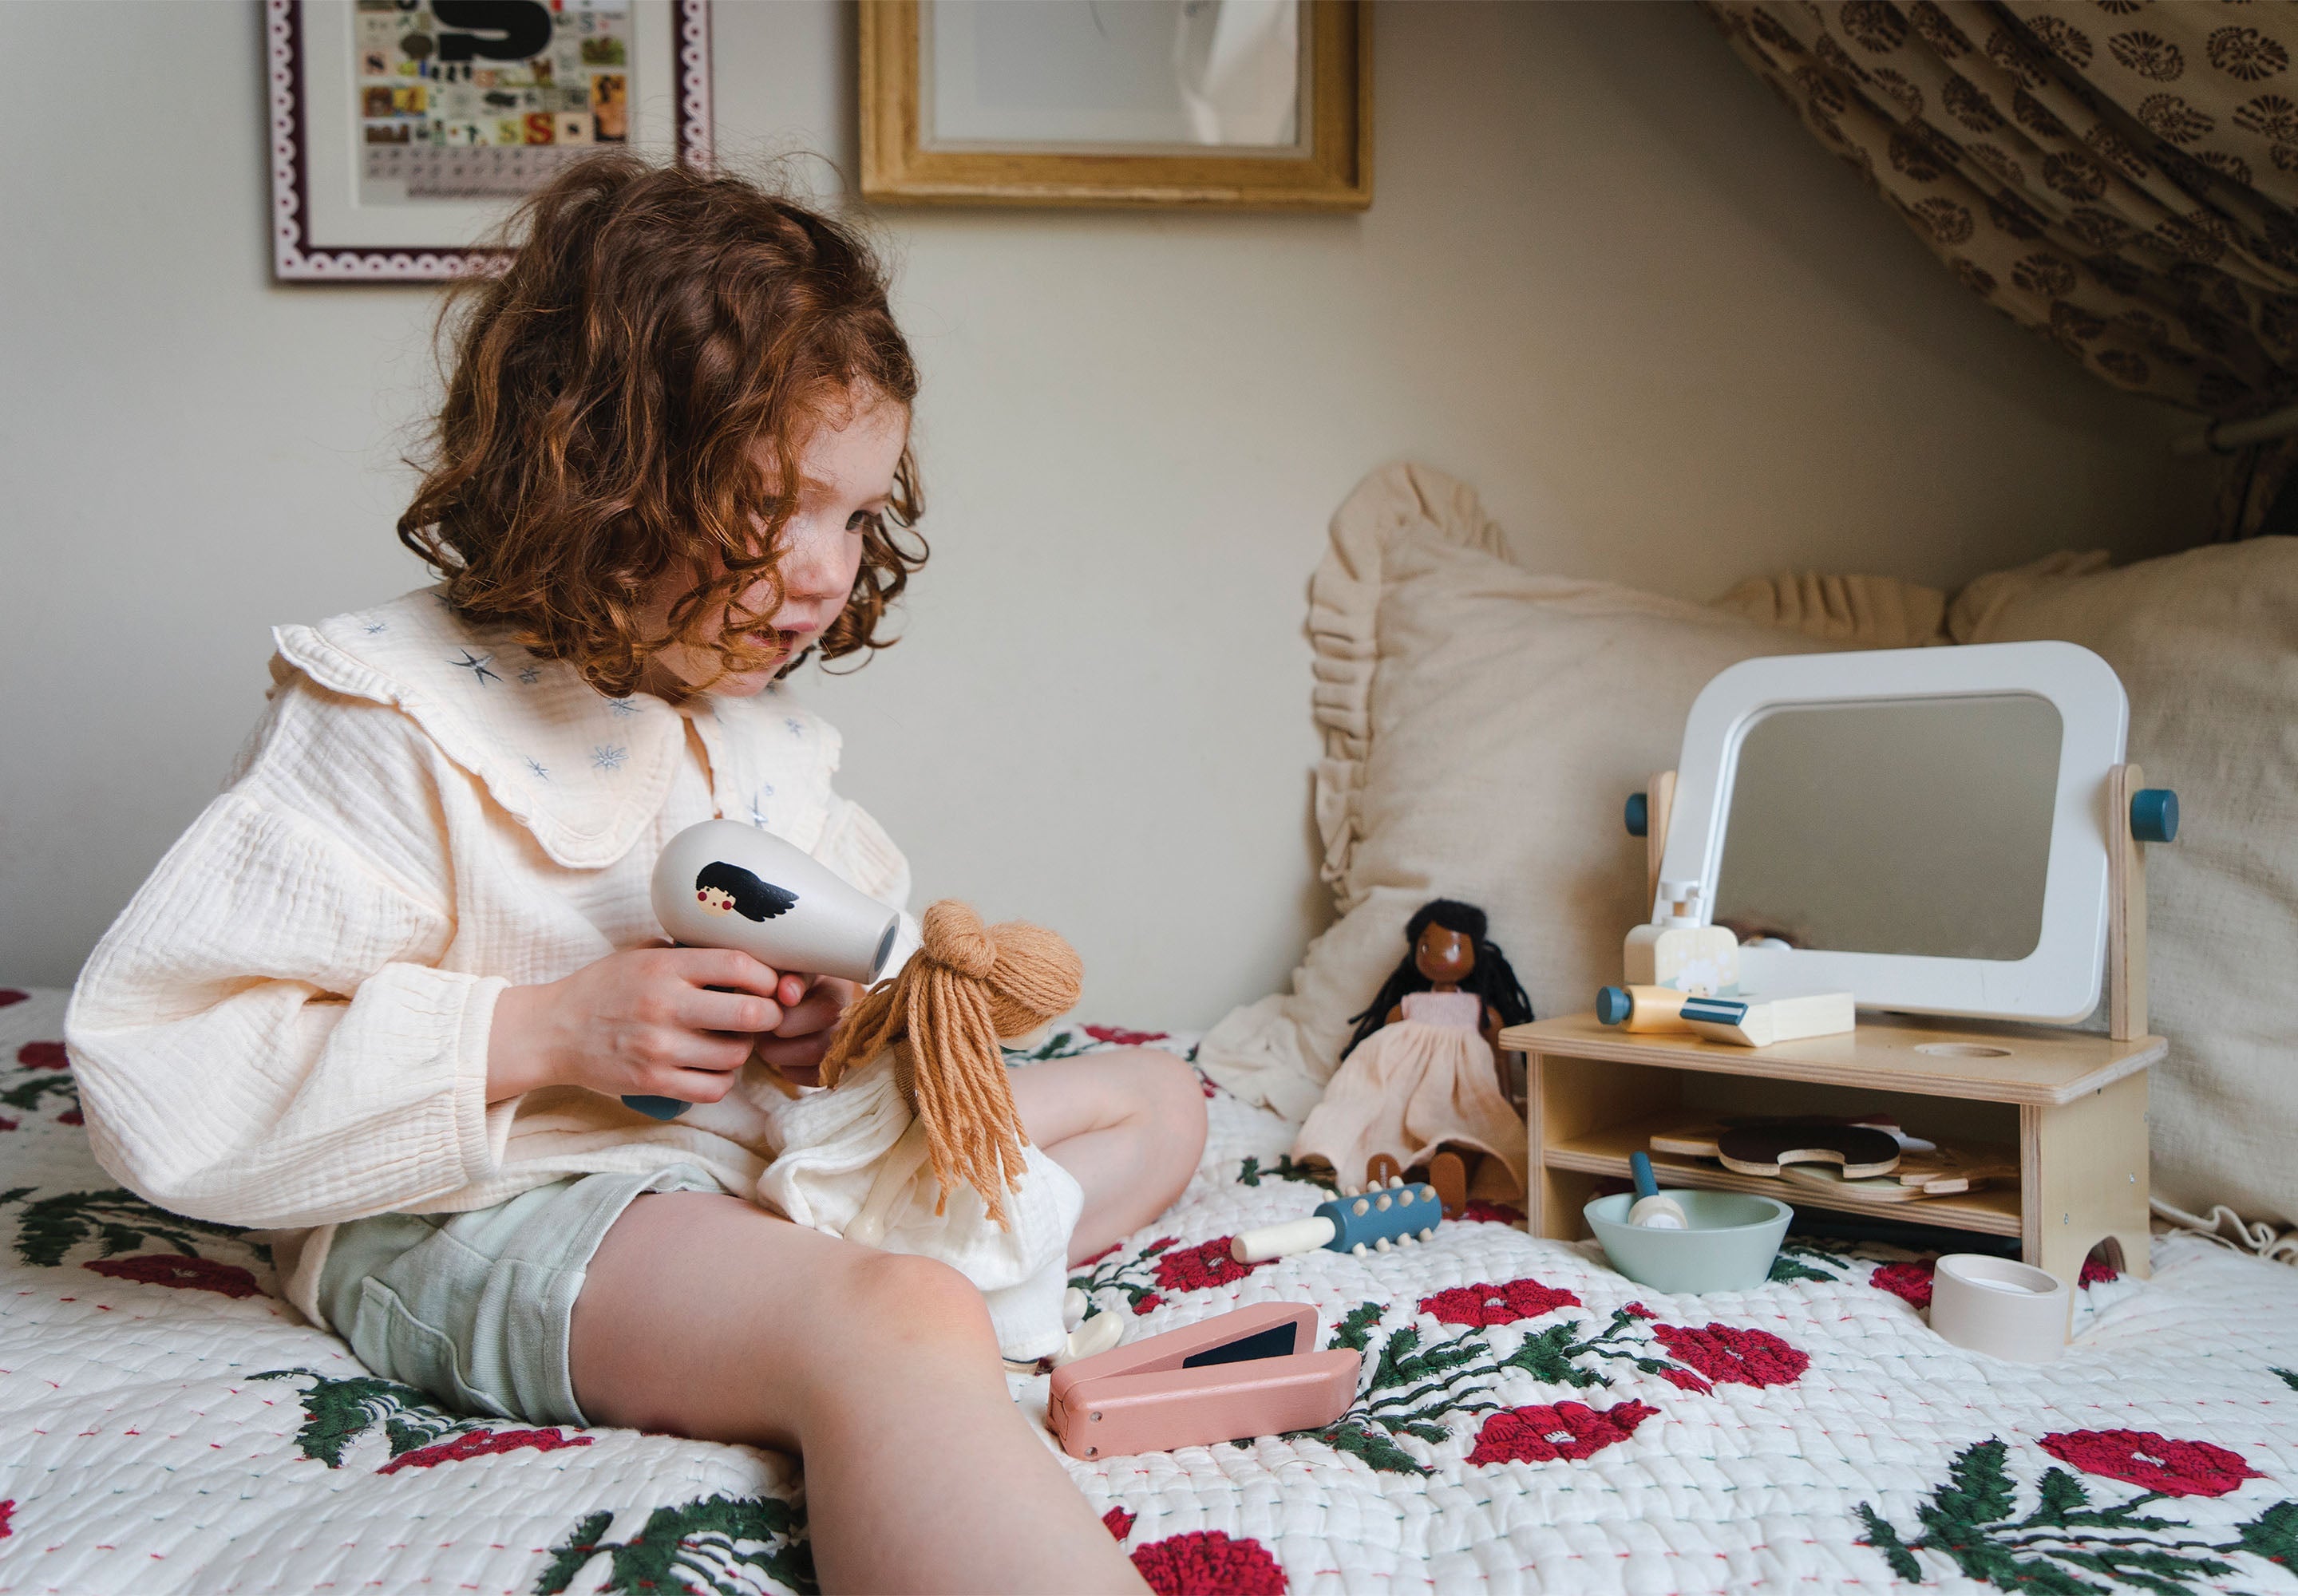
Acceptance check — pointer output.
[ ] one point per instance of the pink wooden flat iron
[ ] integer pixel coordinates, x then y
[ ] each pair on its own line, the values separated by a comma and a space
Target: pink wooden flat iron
1252, 1372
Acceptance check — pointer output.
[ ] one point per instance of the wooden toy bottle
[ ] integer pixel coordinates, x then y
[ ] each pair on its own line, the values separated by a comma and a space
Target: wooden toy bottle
1679, 952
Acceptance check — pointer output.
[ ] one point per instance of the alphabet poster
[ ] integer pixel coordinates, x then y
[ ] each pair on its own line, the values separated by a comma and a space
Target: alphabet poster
472, 99
405, 132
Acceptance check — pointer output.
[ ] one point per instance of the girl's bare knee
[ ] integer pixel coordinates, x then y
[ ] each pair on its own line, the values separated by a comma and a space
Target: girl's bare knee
1175, 1105
899, 1298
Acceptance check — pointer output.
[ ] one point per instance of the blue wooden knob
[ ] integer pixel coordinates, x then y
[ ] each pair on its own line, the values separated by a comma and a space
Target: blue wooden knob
1638, 814
2154, 815
663, 1109
1613, 1005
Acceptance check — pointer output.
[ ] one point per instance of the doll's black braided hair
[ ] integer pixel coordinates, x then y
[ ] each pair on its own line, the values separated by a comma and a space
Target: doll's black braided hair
1491, 979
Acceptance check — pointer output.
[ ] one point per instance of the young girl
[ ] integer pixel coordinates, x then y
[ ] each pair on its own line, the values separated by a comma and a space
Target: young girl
384, 995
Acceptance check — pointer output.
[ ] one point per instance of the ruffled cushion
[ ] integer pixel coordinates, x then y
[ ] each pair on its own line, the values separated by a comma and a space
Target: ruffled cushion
1483, 726
2206, 643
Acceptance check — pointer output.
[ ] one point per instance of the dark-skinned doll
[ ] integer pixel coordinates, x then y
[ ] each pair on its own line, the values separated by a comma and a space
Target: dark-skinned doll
1419, 1084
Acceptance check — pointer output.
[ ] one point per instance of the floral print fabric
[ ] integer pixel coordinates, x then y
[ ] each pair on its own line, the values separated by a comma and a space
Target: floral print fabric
2118, 176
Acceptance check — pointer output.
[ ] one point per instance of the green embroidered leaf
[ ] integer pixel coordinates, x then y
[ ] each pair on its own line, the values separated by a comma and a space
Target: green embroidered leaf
2062, 1494
1886, 1540
1547, 1357
29, 1093
1307, 1174
2049, 1551
1063, 1043
1378, 1451
1355, 1328
1784, 1268
338, 1413
121, 1221
2273, 1535
569, 1556
2289, 1376
719, 1544
2166, 1573
1978, 1489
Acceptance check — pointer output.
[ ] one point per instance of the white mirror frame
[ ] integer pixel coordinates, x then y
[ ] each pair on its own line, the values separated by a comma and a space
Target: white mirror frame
2059, 983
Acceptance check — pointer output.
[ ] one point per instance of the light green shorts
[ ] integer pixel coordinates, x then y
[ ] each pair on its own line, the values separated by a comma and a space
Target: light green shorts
475, 1308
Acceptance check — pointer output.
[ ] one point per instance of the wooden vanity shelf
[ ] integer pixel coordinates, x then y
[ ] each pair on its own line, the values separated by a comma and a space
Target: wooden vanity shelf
2074, 1102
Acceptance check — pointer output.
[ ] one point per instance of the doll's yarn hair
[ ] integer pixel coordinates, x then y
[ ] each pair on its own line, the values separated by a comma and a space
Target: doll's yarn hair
968, 987
1491, 979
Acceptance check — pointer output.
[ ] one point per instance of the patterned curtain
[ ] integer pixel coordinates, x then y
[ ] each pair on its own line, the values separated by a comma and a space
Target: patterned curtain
2119, 174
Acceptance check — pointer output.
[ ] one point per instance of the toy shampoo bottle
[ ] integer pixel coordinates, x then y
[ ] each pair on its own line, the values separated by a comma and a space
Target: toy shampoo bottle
1682, 952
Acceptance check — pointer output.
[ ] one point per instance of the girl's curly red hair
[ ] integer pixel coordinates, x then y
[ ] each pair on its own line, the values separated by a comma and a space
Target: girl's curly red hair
606, 398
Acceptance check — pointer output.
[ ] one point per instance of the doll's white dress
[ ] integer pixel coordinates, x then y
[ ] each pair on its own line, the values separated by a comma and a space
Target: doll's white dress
834, 1145
1412, 1086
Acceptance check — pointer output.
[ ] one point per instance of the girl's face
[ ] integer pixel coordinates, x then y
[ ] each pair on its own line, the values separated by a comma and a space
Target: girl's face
845, 480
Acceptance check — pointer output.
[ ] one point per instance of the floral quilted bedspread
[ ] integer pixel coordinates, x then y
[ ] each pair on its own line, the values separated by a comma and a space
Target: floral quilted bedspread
1528, 1420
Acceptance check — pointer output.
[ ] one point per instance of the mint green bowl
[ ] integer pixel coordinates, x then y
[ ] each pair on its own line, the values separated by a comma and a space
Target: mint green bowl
1730, 1247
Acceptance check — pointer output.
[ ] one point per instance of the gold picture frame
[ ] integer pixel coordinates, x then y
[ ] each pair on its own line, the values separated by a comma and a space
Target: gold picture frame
1326, 167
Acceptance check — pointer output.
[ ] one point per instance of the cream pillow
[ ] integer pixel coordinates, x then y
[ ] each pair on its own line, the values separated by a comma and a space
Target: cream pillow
1482, 728
2206, 643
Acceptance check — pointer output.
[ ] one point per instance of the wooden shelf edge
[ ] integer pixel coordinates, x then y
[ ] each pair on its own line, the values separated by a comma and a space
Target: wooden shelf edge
1971, 1212
1796, 1060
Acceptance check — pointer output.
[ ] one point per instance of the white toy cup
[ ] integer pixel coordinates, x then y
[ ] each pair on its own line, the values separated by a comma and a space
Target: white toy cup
726, 885
2006, 1310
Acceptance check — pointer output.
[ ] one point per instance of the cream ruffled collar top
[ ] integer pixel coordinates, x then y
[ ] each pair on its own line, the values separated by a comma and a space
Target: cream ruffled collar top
287, 1027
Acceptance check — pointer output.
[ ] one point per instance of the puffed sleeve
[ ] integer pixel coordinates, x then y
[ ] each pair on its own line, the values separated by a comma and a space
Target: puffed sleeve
263, 1037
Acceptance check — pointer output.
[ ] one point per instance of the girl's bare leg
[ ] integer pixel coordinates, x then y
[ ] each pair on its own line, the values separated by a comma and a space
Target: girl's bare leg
1130, 1126
705, 1316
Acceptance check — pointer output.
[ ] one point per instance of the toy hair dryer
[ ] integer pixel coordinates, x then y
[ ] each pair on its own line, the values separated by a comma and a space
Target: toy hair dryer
726, 885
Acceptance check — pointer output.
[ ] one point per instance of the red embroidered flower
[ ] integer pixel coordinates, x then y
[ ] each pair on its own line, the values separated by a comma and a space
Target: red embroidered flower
1909, 1281
43, 1056
7, 1508
1542, 1434
1497, 1304
1730, 1356
71, 1116
169, 1269
1147, 1301
1118, 1522
6, 1123
480, 1444
1206, 1562
1483, 1212
1683, 1380
2143, 1457
1638, 1311
1120, 1036
1195, 1268
2096, 1273
10, 996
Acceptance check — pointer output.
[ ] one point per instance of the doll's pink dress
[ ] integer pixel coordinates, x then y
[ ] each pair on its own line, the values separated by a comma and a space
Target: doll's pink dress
1410, 1087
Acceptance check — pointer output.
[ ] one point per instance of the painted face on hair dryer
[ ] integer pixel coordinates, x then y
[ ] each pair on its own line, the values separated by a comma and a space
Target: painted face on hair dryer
726, 885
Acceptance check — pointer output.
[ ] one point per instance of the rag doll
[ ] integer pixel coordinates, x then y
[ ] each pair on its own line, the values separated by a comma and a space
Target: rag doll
914, 1145
1418, 1083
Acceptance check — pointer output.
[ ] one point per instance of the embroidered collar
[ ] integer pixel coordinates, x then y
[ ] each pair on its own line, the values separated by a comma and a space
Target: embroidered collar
585, 773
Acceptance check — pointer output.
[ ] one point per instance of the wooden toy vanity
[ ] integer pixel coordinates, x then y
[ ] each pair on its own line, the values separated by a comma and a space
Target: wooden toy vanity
2072, 1104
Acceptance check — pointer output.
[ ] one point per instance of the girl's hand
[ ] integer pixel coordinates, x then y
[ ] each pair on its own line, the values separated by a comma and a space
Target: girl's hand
798, 1044
643, 1022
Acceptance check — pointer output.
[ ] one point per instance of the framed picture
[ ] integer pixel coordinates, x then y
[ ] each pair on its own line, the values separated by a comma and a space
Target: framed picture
404, 131
1235, 104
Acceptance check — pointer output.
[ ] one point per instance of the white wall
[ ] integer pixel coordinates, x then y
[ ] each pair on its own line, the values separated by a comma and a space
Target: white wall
1606, 278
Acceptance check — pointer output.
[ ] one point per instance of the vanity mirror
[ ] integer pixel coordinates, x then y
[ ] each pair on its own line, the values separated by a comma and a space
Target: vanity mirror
1926, 828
